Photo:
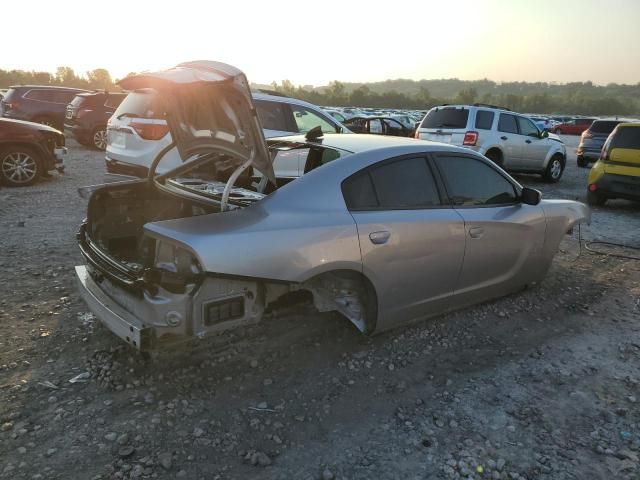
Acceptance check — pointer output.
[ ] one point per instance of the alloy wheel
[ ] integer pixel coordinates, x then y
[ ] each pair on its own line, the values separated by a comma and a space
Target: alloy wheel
556, 169
100, 139
19, 167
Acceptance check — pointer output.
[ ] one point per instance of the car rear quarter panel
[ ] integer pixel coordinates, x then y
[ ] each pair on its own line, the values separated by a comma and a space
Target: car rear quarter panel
561, 216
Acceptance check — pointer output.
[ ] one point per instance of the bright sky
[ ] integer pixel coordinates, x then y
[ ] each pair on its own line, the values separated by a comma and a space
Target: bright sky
314, 42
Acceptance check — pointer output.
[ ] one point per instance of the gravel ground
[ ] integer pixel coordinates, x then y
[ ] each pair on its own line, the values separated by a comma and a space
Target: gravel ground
543, 384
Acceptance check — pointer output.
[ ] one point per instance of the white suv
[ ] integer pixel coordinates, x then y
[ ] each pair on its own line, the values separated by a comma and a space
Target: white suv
509, 139
137, 132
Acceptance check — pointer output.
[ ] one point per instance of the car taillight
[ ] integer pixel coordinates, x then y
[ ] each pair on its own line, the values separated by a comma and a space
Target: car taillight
417, 134
470, 138
587, 134
11, 105
150, 131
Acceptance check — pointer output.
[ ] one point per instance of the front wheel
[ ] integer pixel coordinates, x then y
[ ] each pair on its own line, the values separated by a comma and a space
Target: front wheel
554, 169
19, 166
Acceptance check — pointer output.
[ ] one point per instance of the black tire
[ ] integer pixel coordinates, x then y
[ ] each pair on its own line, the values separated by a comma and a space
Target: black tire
495, 156
596, 199
582, 162
20, 166
555, 169
99, 139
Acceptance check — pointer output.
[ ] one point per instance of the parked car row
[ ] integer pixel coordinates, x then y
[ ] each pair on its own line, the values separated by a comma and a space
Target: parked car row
381, 229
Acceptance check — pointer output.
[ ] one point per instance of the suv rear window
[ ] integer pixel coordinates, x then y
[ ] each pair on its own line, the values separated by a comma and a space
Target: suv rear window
114, 101
141, 103
484, 119
603, 126
446, 118
10, 93
78, 100
626, 137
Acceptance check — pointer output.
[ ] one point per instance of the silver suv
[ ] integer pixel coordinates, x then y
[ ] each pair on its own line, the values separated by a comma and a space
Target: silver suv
509, 139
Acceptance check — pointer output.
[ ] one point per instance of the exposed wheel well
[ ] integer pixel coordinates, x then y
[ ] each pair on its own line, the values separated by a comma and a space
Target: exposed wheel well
495, 155
350, 293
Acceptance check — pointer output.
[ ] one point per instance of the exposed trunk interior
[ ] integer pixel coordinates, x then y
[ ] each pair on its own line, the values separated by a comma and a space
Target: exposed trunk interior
117, 214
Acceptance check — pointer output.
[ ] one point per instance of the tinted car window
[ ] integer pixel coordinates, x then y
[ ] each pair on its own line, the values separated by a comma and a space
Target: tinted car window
358, 192
42, 95
307, 119
603, 126
78, 100
626, 137
402, 184
274, 115
472, 182
507, 123
62, 97
141, 103
527, 127
113, 101
446, 118
484, 119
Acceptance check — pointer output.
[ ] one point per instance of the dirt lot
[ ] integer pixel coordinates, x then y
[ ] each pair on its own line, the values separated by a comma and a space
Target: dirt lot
543, 384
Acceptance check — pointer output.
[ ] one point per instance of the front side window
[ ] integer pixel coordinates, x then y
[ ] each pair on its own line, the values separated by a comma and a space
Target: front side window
396, 185
471, 182
507, 123
527, 127
307, 119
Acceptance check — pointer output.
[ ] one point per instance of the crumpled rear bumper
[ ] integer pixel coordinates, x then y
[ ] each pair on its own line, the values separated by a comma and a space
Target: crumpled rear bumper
121, 322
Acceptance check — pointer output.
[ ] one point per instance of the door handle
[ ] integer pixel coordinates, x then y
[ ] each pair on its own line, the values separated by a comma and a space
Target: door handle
476, 232
378, 238
503, 138
527, 141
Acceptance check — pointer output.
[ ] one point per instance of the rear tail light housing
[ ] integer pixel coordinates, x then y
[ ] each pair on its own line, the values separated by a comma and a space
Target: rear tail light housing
587, 134
11, 105
417, 134
593, 187
150, 130
470, 139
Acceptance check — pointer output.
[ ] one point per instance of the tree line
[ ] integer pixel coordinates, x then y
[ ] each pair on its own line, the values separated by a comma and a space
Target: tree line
583, 98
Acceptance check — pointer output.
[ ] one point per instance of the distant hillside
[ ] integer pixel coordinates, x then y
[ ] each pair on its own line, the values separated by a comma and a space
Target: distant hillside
535, 97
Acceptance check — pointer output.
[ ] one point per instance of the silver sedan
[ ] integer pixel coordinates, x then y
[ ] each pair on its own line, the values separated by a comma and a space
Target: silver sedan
383, 230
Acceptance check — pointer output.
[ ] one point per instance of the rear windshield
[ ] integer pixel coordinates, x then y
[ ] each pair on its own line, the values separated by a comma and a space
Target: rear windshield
141, 103
114, 101
78, 100
10, 93
446, 118
603, 126
626, 137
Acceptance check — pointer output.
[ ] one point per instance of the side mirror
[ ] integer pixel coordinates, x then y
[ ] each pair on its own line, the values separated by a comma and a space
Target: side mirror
530, 196
544, 134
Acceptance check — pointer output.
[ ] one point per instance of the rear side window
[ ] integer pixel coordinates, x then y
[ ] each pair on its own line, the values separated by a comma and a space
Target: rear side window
41, 95
471, 182
603, 126
507, 123
626, 137
401, 184
446, 118
484, 119
274, 116
141, 103
78, 100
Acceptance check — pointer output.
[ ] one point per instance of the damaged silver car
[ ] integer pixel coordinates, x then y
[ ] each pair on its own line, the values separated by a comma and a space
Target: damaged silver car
382, 230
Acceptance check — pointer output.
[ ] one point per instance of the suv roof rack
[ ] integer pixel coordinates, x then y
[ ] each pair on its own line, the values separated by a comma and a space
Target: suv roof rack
272, 92
491, 106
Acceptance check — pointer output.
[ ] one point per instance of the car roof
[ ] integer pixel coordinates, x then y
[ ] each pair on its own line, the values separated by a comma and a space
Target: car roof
50, 87
282, 99
629, 124
356, 143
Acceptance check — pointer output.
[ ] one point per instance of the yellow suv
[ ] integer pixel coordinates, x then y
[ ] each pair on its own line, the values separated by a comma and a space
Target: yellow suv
617, 173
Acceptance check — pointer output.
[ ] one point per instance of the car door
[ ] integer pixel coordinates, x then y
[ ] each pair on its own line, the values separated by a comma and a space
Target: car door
504, 237
535, 148
412, 245
510, 141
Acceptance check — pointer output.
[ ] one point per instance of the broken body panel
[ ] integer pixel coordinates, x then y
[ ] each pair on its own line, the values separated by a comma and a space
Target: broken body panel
188, 253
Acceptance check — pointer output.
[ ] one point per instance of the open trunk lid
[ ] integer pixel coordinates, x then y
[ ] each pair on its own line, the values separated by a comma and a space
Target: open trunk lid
209, 108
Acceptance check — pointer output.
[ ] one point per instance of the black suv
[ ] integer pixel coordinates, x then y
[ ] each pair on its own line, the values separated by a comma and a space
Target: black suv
38, 103
592, 141
87, 116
